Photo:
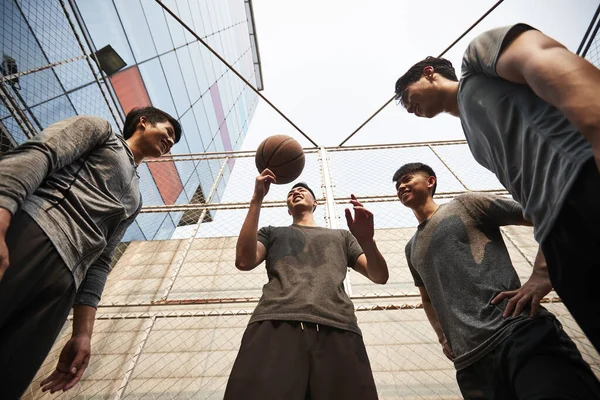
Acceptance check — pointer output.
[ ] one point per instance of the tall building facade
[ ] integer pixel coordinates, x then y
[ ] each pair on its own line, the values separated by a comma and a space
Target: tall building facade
51, 53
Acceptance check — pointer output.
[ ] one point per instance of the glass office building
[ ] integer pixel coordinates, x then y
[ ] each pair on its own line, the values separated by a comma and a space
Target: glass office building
50, 72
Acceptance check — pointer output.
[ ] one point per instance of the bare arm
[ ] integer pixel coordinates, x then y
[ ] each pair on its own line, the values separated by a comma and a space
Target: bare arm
371, 263
563, 79
75, 355
5, 217
435, 322
531, 293
249, 252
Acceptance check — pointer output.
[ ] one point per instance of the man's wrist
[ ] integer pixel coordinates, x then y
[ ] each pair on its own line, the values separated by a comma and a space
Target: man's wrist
5, 218
367, 244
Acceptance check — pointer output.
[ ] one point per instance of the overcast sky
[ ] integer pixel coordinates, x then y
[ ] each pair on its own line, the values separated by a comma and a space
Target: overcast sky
329, 64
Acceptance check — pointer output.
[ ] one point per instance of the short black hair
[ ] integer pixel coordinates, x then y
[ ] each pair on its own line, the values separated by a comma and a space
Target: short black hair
411, 168
414, 73
305, 186
154, 115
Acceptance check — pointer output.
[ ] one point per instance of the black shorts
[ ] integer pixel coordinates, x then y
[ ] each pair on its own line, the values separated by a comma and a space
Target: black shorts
36, 295
285, 360
538, 361
572, 251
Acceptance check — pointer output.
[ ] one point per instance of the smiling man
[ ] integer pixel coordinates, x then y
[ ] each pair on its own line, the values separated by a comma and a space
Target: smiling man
303, 339
67, 197
530, 113
501, 349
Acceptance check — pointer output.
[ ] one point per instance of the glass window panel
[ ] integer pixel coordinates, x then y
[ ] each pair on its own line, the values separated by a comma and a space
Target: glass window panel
102, 22
176, 83
181, 147
149, 223
197, 18
207, 58
3, 111
204, 11
157, 20
166, 229
175, 27
150, 194
51, 28
14, 130
185, 13
202, 122
218, 142
209, 108
188, 122
138, 32
133, 233
156, 85
38, 87
212, 12
189, 73
89, 101
183, 197
53, 111
198, 66
205, 175
74, 74
17, 40
191, 185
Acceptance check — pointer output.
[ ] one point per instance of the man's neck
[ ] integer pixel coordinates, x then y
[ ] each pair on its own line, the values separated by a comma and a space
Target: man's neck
138, 155
304, 218
426, 210
451, 97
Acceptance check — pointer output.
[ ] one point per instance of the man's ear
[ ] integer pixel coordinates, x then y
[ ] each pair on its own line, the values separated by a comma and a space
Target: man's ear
431, 181
142, 122
428, 71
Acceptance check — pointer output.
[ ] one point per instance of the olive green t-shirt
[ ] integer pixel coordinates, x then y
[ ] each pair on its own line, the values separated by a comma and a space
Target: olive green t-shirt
306, 267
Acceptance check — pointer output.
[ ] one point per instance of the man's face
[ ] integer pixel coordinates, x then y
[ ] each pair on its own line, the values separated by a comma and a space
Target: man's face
300, 197
424, 97
413, 189
159, 138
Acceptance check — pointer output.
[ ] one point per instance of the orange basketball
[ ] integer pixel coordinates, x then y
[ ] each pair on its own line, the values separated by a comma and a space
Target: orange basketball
283, 155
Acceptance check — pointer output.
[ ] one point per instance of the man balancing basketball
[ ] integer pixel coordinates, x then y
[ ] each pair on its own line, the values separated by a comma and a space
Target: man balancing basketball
501, 349
66, 198
530, 112
303, 339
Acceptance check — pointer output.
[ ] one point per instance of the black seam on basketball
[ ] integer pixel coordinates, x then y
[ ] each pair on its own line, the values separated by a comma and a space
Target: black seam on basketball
275, 151
288, 161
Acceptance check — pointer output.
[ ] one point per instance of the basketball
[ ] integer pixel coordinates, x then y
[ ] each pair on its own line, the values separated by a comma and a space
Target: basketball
283, 155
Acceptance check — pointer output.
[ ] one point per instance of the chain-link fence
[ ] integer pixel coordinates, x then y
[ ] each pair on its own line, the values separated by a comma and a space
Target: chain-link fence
174, 310
175, 307
47, 72
590, 44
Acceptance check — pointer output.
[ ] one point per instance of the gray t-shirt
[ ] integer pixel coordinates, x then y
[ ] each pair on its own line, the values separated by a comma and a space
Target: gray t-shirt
533, 149
78, 181
460, 258
306, 267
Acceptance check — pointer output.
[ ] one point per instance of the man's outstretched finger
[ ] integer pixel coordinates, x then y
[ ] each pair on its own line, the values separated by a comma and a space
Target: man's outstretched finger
349, 219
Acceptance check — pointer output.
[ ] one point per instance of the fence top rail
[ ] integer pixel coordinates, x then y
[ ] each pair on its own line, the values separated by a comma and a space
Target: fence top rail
312, 150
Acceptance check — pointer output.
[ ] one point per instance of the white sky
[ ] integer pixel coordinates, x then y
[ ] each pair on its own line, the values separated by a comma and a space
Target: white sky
329, 64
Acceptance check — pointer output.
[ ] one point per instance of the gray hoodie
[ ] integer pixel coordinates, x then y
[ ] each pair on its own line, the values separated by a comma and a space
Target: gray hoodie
77, 179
